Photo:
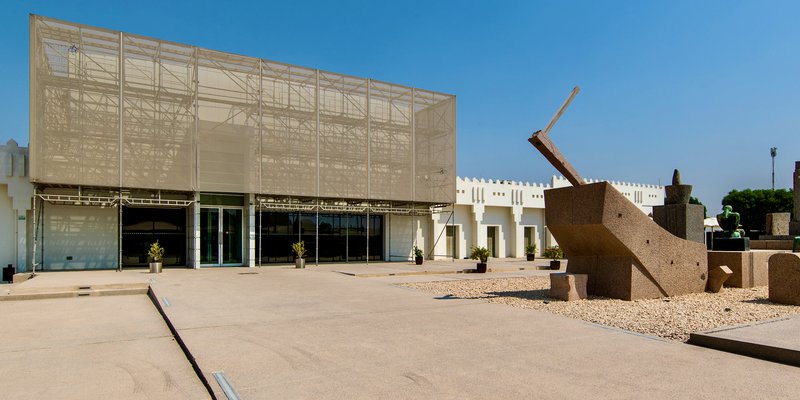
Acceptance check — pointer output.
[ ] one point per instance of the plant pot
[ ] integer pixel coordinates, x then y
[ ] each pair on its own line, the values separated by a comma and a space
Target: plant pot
555, 264
155, 267
481, 268
418, 260
531, 257
300, 263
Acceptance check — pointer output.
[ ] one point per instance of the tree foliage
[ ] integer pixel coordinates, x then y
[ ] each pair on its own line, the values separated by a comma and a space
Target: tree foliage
754, 205
695, 200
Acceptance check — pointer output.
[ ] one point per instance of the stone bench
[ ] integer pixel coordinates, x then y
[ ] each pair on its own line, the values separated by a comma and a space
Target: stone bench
568, 287
784, 278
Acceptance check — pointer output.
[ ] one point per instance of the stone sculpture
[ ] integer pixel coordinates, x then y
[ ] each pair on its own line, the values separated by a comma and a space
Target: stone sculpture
568, 287
777, 224
624, 253
680, 218
729, 222
784, 278
717, 277
732, 237
677, 193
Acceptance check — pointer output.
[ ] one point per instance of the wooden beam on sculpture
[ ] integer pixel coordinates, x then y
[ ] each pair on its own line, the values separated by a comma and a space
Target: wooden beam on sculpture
542, 142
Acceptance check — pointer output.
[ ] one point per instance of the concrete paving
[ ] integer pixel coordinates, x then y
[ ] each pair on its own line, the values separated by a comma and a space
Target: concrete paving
299, 334
775, 340
434, 267
114, 347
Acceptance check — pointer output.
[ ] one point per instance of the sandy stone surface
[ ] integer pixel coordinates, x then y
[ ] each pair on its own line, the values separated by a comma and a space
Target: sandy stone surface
671, 318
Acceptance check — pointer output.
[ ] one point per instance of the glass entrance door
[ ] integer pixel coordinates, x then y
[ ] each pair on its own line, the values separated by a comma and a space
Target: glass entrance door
231, 230
221, 239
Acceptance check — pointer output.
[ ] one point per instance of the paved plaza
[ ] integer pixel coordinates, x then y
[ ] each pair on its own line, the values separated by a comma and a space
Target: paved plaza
324, 333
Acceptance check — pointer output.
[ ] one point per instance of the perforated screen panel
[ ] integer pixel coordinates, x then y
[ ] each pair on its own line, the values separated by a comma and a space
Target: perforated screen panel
187, 118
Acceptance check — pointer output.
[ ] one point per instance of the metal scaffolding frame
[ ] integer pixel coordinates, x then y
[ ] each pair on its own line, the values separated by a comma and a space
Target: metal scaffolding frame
99, 197
113, 109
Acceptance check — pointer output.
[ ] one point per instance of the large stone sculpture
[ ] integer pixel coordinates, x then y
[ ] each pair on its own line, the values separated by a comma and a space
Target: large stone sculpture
680, 218
624, 253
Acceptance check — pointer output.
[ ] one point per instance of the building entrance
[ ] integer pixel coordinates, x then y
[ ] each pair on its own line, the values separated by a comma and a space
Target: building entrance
221, 236
491, 240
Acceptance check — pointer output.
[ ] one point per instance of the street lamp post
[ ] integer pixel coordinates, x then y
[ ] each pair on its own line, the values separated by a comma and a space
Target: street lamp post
773, 152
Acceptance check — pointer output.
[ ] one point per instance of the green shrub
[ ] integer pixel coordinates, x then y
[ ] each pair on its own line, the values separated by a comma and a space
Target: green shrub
156, 252
417, 252
479, 253
554, 252
299, 249
530, 249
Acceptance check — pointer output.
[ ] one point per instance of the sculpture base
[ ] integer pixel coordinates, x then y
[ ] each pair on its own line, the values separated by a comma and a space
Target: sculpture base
731, 244
749, 268
794, 228
682, 220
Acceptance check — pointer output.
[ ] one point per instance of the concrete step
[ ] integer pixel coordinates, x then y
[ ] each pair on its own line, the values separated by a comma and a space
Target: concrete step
53, 293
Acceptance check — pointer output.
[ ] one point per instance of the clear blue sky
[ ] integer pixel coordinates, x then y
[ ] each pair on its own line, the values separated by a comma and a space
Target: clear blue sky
704, 86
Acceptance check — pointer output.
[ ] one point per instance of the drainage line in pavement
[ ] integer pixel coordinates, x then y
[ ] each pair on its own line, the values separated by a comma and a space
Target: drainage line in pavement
182, 345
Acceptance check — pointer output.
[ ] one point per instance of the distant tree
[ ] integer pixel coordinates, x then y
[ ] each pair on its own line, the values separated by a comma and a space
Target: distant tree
753, 205
695, 200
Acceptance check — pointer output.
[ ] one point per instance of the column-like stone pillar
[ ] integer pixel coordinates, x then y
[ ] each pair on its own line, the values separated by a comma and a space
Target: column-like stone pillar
22, 233
794, 226
480, 229
438, 225
518, 244
194, 234
251, 231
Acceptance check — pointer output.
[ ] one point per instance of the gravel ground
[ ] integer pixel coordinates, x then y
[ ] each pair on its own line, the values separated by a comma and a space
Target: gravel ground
671, 318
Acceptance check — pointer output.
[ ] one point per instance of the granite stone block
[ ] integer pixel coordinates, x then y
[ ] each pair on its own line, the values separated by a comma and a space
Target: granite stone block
717, 276
682, 220
568, 287
784, 278
749, 268
777, 224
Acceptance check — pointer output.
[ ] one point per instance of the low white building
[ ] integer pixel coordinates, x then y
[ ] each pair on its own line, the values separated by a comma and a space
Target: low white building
16, 193
505, 216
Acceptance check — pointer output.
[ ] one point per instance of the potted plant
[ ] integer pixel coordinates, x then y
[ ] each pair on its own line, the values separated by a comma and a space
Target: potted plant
555, 253
156, 254
481, 254
418, 255
530, 252
299, 250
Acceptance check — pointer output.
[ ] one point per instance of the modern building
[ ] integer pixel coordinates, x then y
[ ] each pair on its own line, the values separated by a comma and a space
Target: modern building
224, 159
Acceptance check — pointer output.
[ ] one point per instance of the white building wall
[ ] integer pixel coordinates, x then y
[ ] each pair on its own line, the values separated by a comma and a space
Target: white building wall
76, 238
8, 227
512, 206
16, 193
403, 232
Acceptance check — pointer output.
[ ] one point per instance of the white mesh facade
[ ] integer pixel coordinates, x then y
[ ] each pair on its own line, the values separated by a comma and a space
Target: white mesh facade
119, 110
